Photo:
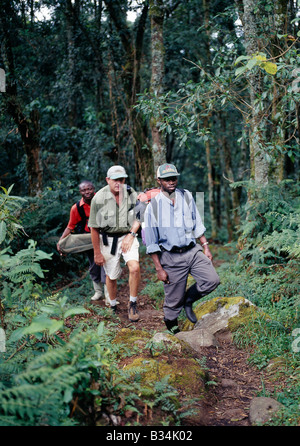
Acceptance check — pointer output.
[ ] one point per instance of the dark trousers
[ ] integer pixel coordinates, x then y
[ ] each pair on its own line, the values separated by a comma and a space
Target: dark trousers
97, 272
178, 266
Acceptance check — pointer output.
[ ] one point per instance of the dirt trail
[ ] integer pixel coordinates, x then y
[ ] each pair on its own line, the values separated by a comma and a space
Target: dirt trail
234, 381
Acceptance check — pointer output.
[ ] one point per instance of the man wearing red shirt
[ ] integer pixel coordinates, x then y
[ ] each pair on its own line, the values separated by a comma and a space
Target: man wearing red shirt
79, 220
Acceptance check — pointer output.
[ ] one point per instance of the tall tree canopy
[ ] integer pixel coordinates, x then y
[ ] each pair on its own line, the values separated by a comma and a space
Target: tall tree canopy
209, 86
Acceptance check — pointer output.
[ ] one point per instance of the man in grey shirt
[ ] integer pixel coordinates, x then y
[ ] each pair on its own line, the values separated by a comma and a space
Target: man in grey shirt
172, 225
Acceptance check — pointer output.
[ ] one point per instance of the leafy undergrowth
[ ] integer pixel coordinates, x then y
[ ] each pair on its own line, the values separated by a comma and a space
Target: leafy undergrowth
62, 365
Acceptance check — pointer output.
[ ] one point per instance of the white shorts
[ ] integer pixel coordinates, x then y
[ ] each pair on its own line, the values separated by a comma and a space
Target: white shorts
112, 265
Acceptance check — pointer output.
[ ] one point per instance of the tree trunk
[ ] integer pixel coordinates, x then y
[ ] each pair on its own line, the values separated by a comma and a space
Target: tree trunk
206, 124
278, 117
265, 166
98, 61
259, 161
72, 84
210, 181
131, 85
156, 13
28, 127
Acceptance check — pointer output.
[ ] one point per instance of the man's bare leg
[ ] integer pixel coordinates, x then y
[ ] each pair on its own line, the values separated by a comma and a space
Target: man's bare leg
134, 277
134, 281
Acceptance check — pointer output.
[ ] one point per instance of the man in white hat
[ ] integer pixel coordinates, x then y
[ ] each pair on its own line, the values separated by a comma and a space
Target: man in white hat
114, 234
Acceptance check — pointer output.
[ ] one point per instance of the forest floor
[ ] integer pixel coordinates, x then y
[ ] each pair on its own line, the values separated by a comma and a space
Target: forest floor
237, 381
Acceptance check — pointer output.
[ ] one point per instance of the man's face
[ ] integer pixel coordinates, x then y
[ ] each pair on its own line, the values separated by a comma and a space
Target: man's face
115, 185
87, 191
168, 184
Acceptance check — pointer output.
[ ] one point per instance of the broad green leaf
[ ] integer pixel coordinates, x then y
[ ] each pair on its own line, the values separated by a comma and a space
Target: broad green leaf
252, 63
55, 326
261, 57
240, 70
73, 311
40, 323
240, 58
270, 67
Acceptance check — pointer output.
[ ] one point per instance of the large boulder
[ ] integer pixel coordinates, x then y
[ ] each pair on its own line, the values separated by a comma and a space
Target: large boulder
198, 338
222, 313
262, 409
164, 360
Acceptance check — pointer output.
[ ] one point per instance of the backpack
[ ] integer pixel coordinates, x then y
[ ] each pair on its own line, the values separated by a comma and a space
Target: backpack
148, 194
80, 227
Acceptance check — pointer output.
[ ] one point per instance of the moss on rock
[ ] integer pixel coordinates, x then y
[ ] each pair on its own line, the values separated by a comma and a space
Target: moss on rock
232, 312
184, 374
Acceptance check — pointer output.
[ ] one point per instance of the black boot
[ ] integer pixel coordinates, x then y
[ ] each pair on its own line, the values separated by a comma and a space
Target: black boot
172, 326
191, 295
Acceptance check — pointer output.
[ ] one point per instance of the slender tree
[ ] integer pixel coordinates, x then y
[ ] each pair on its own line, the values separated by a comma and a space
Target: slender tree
132, 46
157, 77
262, 24
28, 124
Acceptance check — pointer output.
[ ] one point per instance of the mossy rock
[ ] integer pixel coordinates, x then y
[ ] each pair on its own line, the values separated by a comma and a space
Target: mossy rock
185, 374
223, 313
132, 339
165, 342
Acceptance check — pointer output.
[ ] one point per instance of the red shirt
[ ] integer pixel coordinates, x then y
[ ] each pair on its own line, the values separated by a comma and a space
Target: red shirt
75, 216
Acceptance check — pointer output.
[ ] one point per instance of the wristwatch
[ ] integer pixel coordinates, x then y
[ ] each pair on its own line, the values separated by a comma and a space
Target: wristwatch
134, 234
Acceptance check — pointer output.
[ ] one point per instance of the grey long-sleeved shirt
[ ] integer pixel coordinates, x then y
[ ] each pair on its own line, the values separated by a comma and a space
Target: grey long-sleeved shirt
168, 225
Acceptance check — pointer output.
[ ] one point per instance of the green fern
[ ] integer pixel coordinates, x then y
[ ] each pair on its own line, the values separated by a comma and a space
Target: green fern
20, 272
42, 393
271, 231
10, 207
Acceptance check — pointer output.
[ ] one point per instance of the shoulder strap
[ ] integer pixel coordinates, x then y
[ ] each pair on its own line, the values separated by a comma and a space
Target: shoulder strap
82, 215
80, 211
129, 191
186, 196
154, 206
154, 202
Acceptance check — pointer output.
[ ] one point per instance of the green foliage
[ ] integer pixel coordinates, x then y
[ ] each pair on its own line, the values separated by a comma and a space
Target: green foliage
48, 318
265, 270
19, 272
81, 372
9, 208
271, 232
42, 393
84, 129
260, 60
155, 291
44, 220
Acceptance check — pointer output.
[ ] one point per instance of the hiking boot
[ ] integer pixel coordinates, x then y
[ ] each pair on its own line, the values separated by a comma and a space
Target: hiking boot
172, 326
133, 314
191, 296
98, 291
114, 308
